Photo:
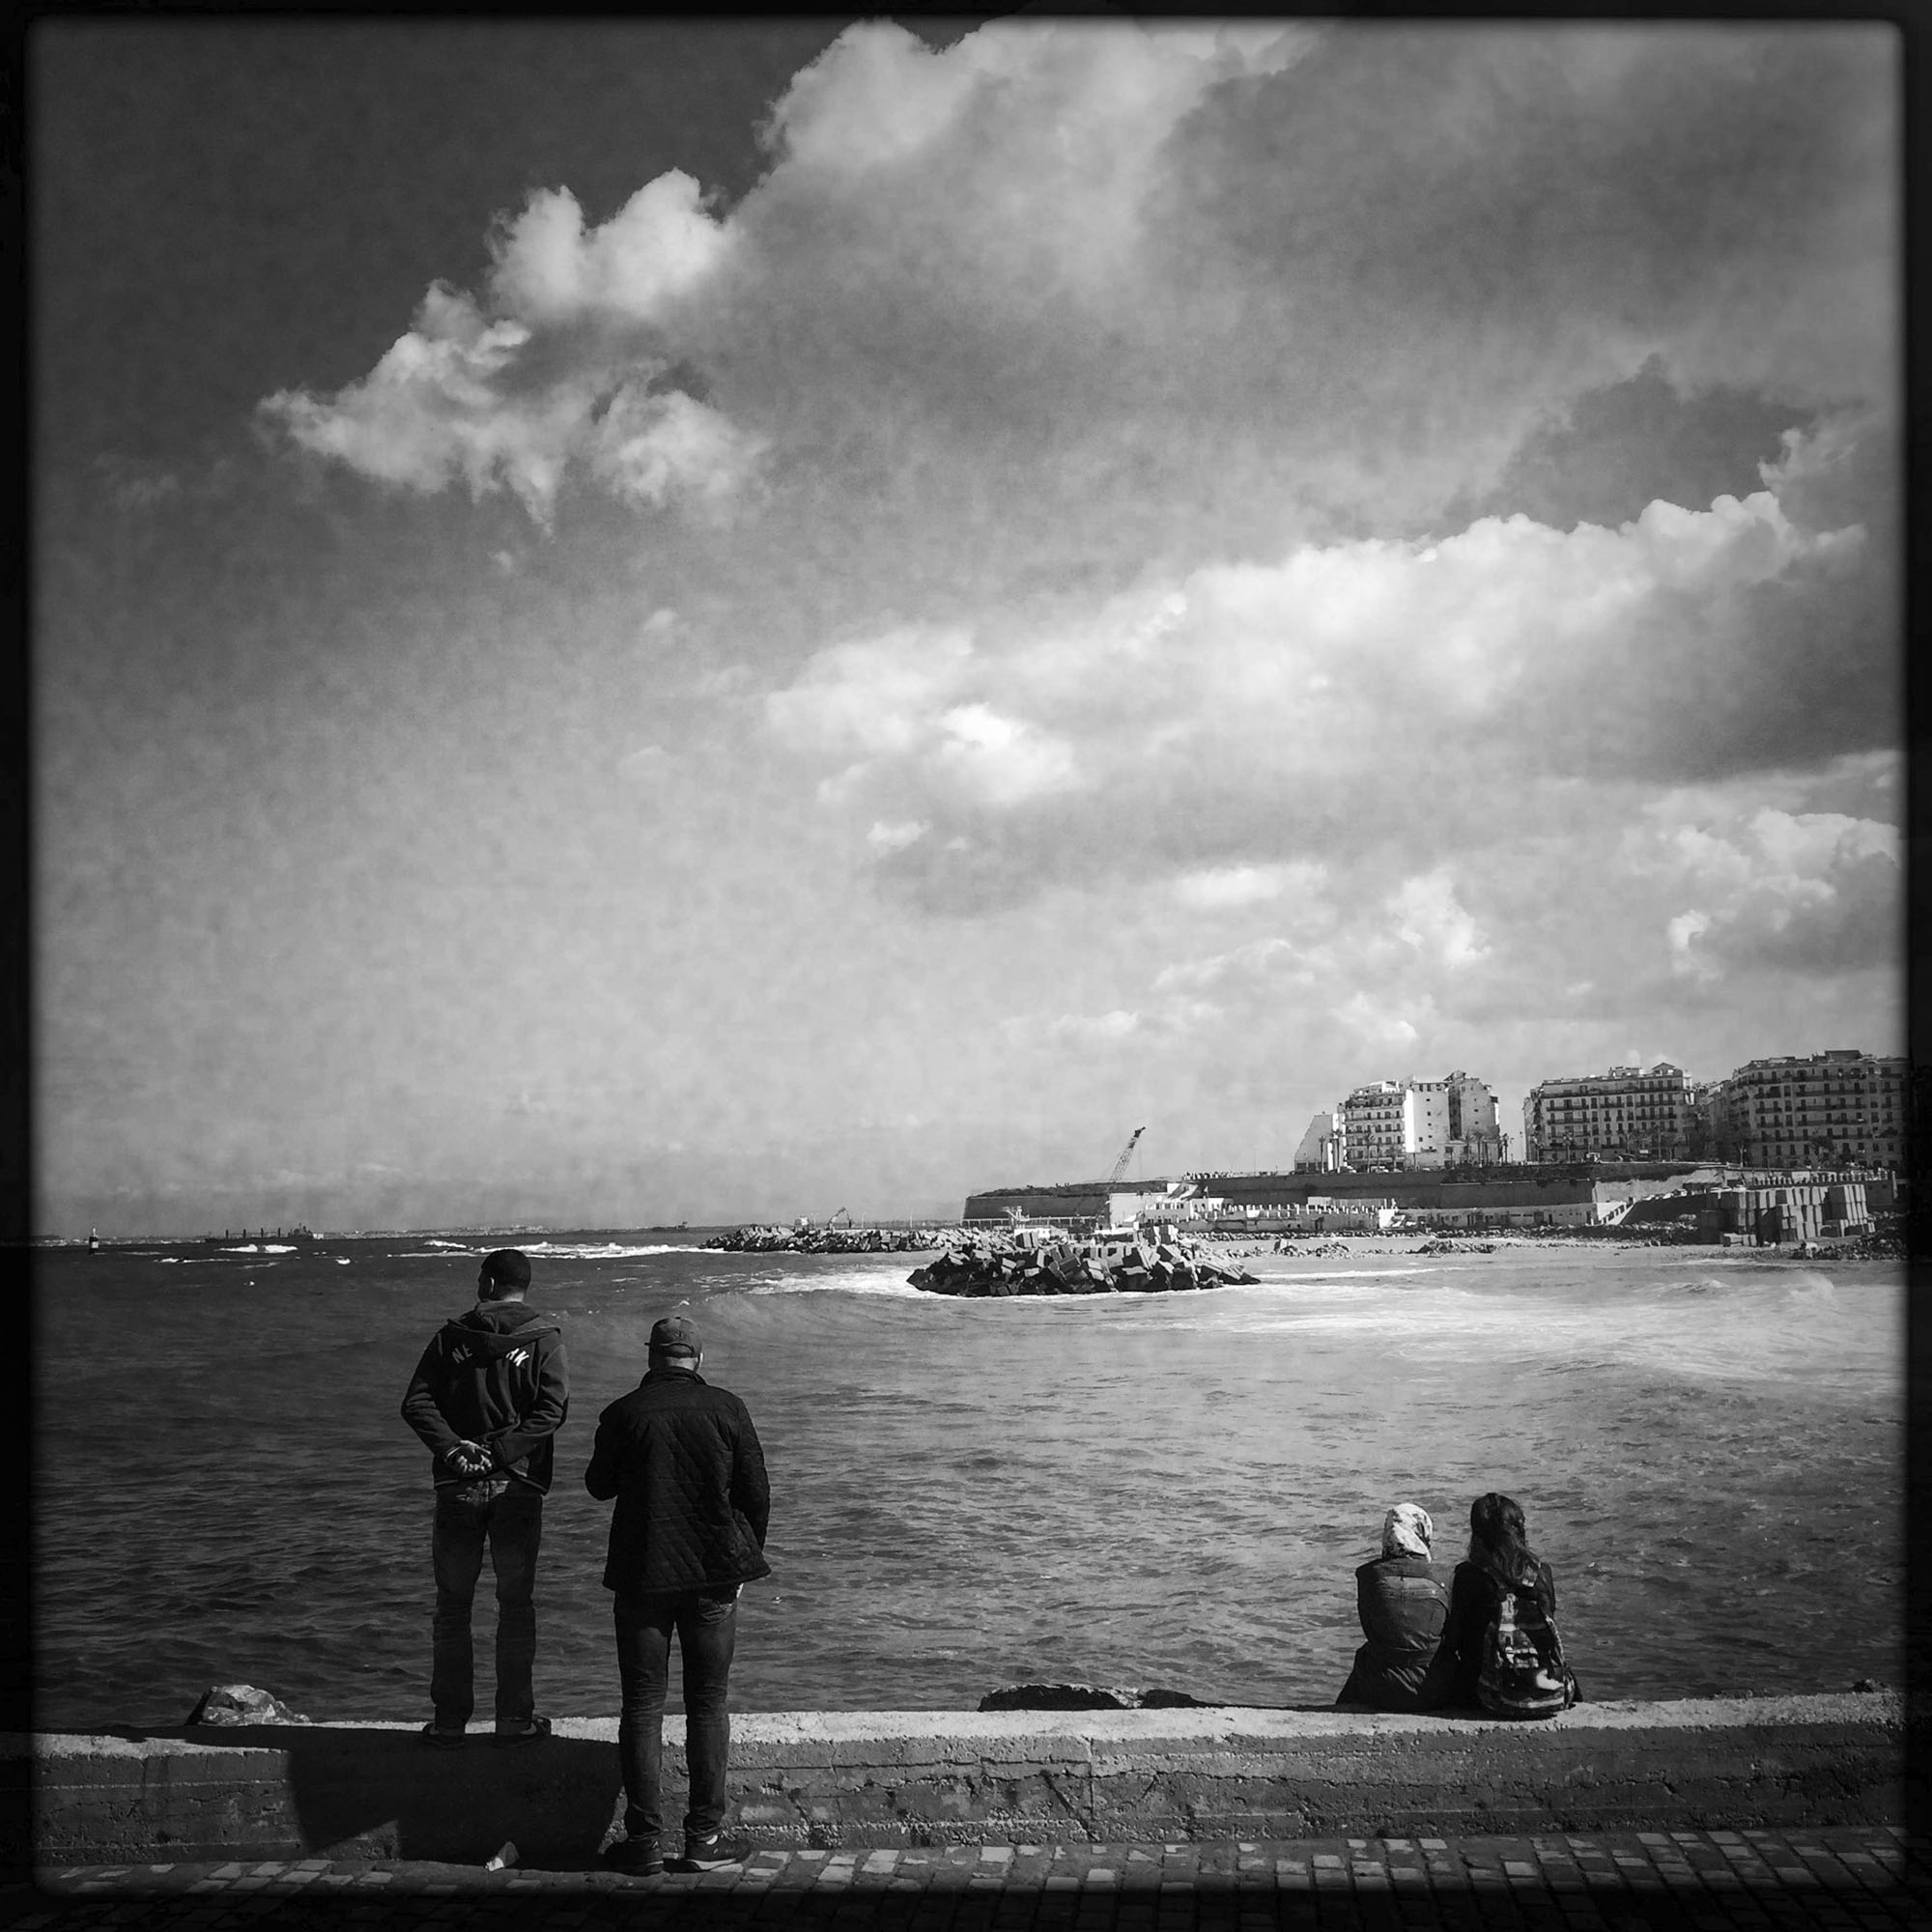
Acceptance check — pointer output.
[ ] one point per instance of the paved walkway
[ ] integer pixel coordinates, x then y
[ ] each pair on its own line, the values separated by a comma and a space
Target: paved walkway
1849, 1878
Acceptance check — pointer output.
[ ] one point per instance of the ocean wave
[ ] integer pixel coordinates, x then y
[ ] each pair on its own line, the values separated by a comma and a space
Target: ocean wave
551, 1250
850, 1281
1344, 1275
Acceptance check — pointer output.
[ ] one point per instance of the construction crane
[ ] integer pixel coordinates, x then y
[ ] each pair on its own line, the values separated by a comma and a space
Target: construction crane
1127, 1154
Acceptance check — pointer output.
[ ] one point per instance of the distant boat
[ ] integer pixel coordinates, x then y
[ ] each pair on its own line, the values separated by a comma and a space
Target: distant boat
222, 1239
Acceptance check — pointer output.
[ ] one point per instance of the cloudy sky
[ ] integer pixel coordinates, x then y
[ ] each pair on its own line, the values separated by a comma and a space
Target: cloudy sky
654, 621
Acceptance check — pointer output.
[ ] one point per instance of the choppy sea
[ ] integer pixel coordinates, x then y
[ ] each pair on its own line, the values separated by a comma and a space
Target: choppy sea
1148, 1489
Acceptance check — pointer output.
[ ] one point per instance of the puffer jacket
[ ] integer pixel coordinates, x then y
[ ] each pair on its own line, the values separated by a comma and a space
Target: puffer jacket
1403, 1602
686, 1468
495, 1375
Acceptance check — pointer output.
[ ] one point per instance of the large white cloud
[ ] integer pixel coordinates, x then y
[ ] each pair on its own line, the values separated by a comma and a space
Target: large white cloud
1165, 280
450, 402
625, 274
1354, 695
1813, 891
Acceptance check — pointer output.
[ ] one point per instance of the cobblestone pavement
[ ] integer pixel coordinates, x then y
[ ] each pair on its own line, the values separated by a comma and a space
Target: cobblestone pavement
1848, 1878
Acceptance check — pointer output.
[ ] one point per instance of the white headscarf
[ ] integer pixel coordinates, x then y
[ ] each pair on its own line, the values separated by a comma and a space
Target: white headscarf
1407, 1531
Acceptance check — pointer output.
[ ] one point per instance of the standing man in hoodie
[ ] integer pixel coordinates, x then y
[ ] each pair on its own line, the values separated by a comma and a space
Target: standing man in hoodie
488, 1397
684, 1466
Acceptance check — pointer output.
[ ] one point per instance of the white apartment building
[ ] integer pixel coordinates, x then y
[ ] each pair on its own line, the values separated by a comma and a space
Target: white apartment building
1414, 1123
1630, 1113
1830, 1109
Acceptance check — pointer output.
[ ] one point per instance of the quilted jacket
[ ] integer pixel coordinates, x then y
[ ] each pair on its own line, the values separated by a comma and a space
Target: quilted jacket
1403, 1602
685, 1466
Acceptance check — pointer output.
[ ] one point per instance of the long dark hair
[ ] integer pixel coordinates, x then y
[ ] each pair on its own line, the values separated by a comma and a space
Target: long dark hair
1496, 1539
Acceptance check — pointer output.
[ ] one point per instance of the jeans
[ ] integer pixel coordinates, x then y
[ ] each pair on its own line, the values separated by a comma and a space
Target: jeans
706, 1622
508, 1516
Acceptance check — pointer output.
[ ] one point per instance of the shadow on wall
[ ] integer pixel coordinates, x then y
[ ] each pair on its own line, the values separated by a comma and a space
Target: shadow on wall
351, 1793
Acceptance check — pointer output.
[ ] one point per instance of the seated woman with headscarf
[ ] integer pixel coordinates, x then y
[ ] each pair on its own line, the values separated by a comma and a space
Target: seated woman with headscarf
1403, 1603
1501, 1564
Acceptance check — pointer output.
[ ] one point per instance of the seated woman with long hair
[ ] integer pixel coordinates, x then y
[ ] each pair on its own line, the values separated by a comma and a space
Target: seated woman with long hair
1499, 1562
1401, 1601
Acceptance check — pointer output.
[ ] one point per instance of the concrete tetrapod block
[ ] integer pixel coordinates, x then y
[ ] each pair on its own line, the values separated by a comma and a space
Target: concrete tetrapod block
929, 1778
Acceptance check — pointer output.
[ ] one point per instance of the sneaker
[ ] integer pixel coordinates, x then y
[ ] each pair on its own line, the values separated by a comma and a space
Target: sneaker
442, 1736
635, 1858
703, 1855
527, 1732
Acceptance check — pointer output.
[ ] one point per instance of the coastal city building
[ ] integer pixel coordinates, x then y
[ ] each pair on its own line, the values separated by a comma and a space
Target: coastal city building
1831, 1120
1630, 1113
1842, 1107
1316, 1153
1403, 1123
1474, 1135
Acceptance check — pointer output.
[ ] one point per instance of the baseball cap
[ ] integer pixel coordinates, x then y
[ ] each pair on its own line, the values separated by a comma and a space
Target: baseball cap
675, 1334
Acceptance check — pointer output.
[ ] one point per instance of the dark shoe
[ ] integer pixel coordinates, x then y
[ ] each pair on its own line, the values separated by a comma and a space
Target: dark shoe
635, 1858
525, 1733
441, 1737
701, 1855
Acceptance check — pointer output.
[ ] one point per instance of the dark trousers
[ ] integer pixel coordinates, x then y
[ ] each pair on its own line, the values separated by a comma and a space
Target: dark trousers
507, 1515
706, 1622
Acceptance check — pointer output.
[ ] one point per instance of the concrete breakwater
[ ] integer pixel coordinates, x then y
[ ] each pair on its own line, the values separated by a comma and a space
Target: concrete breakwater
1119, 1264
933, 1778
872, 1239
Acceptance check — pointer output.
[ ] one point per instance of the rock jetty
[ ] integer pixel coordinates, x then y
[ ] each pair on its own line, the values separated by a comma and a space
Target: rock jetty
829, 1240
992, 1266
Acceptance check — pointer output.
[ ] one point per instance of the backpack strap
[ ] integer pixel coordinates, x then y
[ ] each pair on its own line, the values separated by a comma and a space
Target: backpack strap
1538, 1622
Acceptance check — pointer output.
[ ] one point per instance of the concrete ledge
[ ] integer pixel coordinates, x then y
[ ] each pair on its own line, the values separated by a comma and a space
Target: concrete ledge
929, 1777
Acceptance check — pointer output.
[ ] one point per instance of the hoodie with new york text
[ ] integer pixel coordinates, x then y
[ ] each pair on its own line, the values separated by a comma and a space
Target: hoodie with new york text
495, 1375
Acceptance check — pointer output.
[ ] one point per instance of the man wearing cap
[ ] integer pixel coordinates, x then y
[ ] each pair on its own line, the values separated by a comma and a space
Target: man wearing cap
487, 1397
685, 1466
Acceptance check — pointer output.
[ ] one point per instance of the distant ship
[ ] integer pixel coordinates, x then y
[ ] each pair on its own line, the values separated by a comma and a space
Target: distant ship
225, 1238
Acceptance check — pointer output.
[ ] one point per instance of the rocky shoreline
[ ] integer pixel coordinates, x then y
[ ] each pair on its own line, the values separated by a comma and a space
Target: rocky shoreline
862, 1240
1011, 1266
940, 1238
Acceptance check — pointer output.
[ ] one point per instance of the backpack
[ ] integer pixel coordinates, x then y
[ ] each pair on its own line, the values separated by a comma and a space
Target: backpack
1522, 1672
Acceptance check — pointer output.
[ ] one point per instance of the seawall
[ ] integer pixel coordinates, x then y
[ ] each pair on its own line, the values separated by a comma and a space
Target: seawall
929, 1778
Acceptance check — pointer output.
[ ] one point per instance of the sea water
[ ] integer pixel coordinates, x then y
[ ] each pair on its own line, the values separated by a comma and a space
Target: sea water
1167, 1489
